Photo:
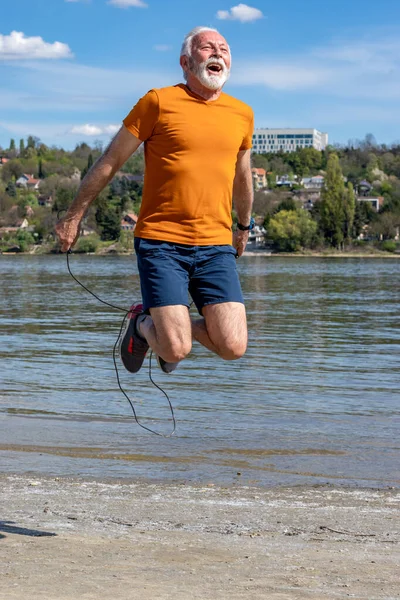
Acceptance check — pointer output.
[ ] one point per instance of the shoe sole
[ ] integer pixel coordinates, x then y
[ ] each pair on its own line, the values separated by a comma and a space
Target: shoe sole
162, 368
130, 362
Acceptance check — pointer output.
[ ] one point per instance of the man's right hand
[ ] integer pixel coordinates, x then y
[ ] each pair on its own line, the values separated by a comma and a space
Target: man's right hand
67, 230
121, 148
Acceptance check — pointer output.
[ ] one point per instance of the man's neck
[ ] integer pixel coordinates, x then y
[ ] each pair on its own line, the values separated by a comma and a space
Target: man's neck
197, 88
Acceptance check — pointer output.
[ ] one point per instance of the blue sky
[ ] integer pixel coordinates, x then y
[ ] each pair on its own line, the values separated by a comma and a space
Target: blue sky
74, 68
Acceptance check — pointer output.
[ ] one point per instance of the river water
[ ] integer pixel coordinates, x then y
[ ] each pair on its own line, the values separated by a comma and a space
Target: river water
315, 400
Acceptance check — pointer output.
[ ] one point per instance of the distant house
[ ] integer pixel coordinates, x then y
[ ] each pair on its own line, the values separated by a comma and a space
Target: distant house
129, 177
308, 197
76, 175
86, 230
44, 200
313, 183
256, 238
364, 188
3, 160
28, 181
259, 178
376, 202
128, 222
285, 181
20, 224
5, 230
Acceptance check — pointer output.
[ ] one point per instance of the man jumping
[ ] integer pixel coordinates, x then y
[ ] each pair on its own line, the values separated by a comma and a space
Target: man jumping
197, 143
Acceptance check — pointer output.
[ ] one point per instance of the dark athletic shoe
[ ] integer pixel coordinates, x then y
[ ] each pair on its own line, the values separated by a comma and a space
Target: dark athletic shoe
166, 366
132, 347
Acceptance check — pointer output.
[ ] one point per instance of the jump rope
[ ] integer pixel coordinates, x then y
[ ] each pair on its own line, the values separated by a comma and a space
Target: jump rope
127, 312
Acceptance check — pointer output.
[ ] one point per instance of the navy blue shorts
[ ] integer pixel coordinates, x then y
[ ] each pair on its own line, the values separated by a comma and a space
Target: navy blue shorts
170, 272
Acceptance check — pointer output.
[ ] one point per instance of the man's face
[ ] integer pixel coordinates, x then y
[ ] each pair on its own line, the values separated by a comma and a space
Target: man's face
210, 60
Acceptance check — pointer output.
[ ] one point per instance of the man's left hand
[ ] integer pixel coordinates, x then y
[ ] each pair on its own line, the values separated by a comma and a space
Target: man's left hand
240, 239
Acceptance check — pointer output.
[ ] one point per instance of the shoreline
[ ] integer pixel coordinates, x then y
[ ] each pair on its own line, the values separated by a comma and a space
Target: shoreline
319, 254
66, 538
259, 252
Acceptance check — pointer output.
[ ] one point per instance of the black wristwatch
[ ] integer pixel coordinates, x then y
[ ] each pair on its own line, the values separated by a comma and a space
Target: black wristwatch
247, 227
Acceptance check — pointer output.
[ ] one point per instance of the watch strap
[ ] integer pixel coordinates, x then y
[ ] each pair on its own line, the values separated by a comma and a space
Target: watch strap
247, 227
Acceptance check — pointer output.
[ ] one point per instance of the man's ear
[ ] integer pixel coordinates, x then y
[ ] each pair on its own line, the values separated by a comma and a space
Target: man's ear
184, 62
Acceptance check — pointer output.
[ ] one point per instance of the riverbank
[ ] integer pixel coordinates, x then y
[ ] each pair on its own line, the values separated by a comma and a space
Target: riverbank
321, 254
65, 538
259, 252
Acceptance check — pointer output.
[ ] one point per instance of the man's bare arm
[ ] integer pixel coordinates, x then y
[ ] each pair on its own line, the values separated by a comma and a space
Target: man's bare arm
242, 198
121, 148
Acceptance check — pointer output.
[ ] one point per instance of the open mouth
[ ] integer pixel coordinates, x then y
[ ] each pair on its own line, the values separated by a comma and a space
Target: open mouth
214, 68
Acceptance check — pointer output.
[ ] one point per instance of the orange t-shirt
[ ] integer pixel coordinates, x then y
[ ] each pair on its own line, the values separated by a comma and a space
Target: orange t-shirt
191, 148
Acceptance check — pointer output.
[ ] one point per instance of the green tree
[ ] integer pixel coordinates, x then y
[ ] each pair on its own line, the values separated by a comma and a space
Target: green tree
64, 197
32, 142
24, 239
364, 214
259, 161
88, 243
349, 208
88, 166
135, 164
384, 227
108, 218
11, 189
6, 203
41, 172
373, 165
21, 147
271, 180
331, 210
12, 145
11, 171
287, 204
290, 230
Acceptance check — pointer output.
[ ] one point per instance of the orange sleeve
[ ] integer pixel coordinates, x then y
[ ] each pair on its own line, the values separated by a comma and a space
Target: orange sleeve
248, 138
143, 116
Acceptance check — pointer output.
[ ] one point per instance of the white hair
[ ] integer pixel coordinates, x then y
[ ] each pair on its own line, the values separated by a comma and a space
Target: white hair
188, 41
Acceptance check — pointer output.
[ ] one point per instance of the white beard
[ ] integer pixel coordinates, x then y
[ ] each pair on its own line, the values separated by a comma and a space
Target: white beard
211, 82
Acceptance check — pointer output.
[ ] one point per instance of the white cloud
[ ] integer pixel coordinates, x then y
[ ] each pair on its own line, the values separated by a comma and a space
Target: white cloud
41, 130
241, 12
91, 130
162, 47
355, 69
128, 3
18, 46
70, 87
279, 76
56, 132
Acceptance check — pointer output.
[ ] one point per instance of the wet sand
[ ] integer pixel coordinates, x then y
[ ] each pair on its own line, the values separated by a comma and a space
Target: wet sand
67, 538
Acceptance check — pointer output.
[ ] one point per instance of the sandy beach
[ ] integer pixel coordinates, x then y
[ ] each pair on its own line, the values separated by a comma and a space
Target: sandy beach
68, 538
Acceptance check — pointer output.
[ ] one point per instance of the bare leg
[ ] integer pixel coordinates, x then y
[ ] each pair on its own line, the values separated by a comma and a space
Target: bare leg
223, 329
168, 332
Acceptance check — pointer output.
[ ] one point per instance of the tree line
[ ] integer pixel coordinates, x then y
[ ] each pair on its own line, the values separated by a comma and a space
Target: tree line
336, 220
60, 172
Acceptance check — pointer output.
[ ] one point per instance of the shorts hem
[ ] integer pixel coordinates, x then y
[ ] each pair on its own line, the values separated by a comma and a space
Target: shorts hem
162, 304
224, 301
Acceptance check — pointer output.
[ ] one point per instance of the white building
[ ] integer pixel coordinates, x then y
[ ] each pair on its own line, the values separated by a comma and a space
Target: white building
256, 237
288, 140
313, 183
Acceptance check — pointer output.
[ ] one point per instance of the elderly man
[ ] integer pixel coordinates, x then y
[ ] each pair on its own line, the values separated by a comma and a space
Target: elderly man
197, 143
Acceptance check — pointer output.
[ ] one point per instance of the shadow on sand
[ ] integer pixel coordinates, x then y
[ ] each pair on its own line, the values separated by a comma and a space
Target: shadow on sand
10, 527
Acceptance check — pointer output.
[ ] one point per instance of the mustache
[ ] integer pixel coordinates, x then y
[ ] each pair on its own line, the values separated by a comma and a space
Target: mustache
214, 61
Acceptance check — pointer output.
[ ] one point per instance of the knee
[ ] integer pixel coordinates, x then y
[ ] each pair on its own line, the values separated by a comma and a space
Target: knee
233, 350
175, 350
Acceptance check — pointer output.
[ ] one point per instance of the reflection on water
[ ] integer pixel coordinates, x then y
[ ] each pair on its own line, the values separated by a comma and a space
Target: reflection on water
315, 399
